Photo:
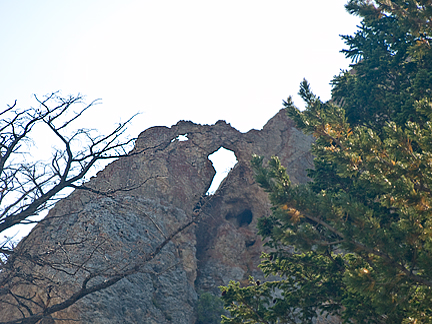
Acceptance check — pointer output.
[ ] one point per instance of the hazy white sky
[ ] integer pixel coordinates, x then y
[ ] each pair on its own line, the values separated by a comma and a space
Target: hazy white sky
196, 60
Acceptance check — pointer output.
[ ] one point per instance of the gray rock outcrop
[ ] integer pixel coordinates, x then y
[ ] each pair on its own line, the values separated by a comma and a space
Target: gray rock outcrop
158, 188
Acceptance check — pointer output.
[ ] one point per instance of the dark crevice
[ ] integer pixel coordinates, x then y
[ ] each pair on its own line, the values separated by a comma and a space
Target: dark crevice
241, 220
250, 242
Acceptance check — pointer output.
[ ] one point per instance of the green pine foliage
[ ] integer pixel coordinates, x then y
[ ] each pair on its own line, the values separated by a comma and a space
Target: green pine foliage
209, 309
394, 63
356, 241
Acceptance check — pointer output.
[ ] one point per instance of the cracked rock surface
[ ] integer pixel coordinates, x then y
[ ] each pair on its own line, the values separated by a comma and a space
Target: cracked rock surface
161, 185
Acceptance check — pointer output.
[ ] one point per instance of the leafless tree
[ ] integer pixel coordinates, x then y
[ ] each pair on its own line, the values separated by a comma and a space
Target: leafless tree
29, 277
27, 188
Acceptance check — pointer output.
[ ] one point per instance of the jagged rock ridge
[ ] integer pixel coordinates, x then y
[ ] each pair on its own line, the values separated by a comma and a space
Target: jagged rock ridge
164, 181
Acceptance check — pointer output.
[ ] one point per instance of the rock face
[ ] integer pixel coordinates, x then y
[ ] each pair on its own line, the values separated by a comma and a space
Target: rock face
151, 193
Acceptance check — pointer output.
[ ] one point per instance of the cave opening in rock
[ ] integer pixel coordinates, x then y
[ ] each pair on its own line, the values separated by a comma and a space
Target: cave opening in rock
223, 161
243, 219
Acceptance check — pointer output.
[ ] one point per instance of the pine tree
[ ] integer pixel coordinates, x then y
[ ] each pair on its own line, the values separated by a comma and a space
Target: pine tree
356, 241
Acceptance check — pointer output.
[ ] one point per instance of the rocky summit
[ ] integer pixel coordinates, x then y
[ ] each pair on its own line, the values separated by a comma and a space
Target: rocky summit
117, 222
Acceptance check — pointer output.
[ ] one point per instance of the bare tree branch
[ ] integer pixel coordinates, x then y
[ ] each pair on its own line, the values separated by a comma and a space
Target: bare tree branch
27, 188
29, 277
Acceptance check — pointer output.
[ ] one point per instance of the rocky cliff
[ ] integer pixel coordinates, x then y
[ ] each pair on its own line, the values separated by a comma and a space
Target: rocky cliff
135, 203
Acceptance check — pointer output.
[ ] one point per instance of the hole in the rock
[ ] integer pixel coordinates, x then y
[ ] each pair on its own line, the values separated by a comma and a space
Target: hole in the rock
242, 219
223, 161
180, 138
250, 242
245, 218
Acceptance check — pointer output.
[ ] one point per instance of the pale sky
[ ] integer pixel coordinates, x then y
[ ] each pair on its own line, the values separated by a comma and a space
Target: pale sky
171, 60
